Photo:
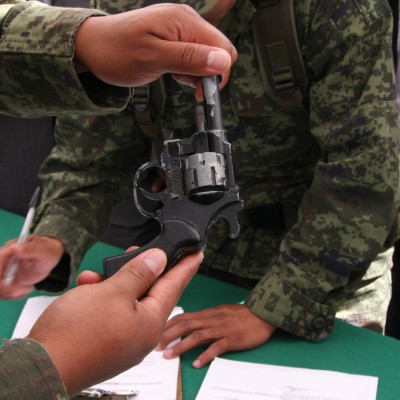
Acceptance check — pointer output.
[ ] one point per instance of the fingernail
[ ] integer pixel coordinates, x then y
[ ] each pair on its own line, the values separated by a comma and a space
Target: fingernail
169, 353
217, 59
196, 364
155, 260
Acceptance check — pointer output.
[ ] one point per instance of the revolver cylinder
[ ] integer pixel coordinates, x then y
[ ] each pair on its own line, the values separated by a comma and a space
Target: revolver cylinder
205, 171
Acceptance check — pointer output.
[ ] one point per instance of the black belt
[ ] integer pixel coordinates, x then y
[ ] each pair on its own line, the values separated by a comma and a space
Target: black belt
270, 216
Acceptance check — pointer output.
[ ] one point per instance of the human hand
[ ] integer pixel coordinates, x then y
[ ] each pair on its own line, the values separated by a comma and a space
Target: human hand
36, 259
96, 331
230, 327
137, 47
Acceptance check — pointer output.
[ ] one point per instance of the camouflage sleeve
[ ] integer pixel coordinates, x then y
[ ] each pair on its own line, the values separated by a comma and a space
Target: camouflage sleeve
27, 372
347, 213
118, 6
37, 64
89, 169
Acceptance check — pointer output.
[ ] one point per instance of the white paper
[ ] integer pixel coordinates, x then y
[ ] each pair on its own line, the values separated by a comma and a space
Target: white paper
154, 378
227, 379
30, 313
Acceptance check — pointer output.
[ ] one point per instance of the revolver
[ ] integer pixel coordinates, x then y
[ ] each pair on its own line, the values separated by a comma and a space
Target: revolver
199, 187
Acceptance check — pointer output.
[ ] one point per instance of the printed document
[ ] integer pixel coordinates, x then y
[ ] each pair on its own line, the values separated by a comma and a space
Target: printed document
154, 378
227, 379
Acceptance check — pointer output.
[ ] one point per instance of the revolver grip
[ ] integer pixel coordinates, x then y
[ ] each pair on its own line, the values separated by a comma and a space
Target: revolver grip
177, 239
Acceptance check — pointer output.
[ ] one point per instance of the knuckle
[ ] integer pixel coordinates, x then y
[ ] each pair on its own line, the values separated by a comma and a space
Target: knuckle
139, 275
189, 53
198, 336
185, 324
222, 344
227, 344
186, 8
220, 347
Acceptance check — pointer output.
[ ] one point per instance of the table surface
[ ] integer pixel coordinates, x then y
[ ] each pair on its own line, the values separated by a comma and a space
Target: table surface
348, 349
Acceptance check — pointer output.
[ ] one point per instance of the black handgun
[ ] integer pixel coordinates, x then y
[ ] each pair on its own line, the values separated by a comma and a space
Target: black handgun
199, 187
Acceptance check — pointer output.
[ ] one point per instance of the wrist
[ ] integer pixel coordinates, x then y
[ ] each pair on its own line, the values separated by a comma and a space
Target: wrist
81, 47
86, 37
56, 245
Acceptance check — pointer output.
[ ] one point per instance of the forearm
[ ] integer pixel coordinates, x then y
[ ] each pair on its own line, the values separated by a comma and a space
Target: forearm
344, 222
347, 213
89, 170
28, 373
76, 241
77, 221
37, 56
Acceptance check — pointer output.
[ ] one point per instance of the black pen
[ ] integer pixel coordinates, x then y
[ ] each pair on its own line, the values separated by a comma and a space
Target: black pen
13, 265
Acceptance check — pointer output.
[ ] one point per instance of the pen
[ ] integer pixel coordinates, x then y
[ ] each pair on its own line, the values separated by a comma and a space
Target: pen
13, 265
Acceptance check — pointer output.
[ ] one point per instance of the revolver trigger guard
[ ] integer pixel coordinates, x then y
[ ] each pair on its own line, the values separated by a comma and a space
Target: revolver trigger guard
149, 195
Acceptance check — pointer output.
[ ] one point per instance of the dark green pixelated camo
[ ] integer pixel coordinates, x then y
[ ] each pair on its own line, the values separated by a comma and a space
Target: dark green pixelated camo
26, 368
117, 6
347, 189
37, 70
92, 166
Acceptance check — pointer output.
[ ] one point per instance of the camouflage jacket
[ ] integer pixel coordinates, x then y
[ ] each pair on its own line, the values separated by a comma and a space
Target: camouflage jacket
19, 358
335, 178
37, 72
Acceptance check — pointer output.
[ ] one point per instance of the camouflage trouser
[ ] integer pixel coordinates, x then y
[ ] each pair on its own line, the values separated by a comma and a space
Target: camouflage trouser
367, 307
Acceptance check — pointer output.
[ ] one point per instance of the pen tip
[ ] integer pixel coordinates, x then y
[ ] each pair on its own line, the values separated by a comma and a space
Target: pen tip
35, 198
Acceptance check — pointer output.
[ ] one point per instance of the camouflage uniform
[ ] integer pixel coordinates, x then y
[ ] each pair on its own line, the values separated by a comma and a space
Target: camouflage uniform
27, 373
334, 180
38, 78
47, 42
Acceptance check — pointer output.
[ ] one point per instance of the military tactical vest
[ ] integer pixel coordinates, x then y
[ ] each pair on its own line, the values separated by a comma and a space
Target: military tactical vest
281, 63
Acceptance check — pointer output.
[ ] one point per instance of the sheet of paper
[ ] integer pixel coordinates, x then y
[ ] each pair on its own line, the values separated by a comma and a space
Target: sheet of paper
227, 379
154, 378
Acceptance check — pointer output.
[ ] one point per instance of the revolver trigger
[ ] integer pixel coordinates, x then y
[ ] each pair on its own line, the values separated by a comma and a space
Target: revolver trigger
150, 209
155, 196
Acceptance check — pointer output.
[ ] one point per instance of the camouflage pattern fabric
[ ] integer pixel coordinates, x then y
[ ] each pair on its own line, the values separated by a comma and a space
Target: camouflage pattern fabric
118, 6
27, 372
335, 179
37, 72
9, 2
367, 306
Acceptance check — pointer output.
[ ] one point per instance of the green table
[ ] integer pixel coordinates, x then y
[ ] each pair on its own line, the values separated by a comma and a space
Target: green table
348, 349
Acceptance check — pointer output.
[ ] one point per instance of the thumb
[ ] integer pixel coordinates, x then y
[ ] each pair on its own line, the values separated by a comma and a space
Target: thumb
137, 276
195, 59
88, 277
